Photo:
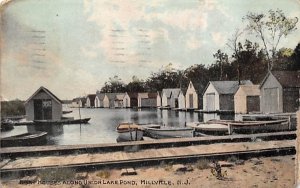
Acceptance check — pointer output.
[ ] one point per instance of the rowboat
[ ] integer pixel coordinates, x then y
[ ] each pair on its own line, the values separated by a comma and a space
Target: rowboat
209, 128
26, 139
129, 132
62, 122
255, 126
170, 132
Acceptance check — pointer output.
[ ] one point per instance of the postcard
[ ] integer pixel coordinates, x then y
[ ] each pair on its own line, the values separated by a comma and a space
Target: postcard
162, 93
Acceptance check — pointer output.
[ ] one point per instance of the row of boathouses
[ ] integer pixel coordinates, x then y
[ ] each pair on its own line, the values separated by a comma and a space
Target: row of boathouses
278, 92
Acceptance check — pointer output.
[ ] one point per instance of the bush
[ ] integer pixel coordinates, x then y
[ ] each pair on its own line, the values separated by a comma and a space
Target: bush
202, 164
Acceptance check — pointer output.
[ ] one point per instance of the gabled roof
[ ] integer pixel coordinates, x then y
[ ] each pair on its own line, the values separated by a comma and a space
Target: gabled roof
83, 99
183, 91
250, 90
100, 96
171, 91
112, 96
119, 96
228, 87
285, 78
76, 99
46, 91
143, 95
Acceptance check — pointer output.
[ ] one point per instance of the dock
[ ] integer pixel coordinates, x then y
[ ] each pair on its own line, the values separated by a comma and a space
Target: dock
88, 161
13, 152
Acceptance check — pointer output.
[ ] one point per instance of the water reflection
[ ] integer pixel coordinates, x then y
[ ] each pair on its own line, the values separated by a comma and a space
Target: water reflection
101, 128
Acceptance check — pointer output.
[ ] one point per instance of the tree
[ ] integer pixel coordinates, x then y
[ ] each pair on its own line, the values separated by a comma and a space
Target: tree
136, 85
296, 58
221, 60
270, 29
167, 77
236, 47
114, 85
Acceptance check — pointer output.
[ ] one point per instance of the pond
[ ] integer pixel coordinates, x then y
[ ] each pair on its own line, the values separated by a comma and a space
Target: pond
101, 127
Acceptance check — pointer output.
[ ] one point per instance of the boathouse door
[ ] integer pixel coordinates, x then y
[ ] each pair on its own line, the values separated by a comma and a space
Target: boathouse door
42, 109
191, 101
176, 103
210, 101
253, 104
271, 100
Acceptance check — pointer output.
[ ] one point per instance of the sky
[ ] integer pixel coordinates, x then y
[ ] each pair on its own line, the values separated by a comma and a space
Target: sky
72, 47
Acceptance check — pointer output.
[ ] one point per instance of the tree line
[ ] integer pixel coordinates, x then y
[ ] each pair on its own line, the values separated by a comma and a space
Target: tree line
247, 60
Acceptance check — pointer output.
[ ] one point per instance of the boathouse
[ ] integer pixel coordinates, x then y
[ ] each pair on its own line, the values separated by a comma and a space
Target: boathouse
247, 99
181, 99
219, 95
280, 92
170, 97
130, 100
75, 103
147, 100
109, 100
43, 105
191, 97
82, 102
90, 100
118, 102
158, 99
99, 100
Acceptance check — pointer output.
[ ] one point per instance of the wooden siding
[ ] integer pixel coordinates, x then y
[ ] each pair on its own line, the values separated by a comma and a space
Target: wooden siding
271, 96
191, 92
126, 101
181, 101
290, 97
211, 103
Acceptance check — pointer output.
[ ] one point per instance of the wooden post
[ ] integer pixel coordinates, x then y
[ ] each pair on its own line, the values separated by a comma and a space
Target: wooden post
297, 161
229, 129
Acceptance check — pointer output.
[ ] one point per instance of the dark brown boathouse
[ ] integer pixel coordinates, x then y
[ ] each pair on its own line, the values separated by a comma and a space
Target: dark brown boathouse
43, 105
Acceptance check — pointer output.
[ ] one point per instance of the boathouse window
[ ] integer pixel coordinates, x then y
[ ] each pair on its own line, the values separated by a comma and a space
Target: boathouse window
42, 109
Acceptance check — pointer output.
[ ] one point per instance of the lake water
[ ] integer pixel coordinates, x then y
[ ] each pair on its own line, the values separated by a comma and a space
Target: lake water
101, 127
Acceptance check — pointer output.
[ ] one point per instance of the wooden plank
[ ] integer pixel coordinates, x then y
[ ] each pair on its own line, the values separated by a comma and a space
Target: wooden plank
58, 148
83, 159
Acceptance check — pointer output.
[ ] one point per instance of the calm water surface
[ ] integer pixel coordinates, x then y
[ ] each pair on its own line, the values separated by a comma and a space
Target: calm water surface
101, 127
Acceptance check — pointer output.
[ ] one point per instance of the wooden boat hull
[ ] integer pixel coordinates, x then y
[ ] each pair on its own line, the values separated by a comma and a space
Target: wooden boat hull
27, 139
255, 126
62, 122
170, 132
130, 135
129, 132
209, 128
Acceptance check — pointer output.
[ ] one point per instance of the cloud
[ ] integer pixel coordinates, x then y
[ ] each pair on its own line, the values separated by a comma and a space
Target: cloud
193, 43
218, 38
123, 22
